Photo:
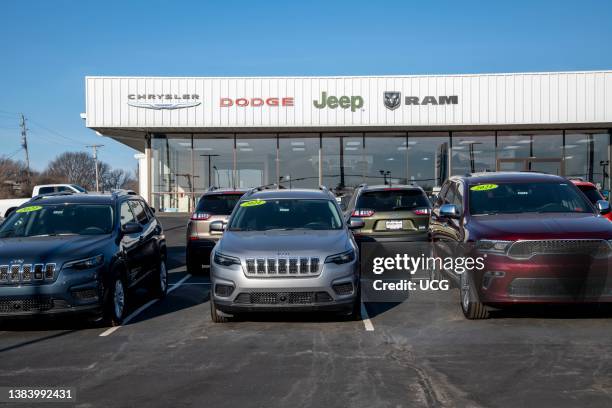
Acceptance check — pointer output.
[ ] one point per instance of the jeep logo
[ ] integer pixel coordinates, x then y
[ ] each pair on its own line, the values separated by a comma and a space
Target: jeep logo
344, 102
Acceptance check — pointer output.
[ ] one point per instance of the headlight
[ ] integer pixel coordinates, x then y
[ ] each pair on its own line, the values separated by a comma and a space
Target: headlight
86, 263
225, 260
341, 258
493, 246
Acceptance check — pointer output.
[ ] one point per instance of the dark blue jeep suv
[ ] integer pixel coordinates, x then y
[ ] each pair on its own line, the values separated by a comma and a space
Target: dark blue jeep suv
68, 253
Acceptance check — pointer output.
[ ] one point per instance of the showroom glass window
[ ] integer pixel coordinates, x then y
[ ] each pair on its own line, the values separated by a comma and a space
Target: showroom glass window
298, 160
171, 161
472, 152
213, 158
530, 151
344, 163
385, 158
586, 155
428, 158
256, 160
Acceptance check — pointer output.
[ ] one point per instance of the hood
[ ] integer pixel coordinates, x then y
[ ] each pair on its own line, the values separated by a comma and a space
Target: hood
57, 249
284, 243
539, 226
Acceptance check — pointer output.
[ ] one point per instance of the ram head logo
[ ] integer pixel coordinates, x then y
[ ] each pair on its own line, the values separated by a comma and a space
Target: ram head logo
392, 100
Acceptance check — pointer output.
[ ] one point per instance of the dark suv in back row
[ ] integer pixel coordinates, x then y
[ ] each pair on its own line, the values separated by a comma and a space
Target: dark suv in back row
541, 239
68, 253
389, 213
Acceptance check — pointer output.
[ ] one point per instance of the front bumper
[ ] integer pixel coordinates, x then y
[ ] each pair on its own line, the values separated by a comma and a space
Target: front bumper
336, 288
71, 292
558, 279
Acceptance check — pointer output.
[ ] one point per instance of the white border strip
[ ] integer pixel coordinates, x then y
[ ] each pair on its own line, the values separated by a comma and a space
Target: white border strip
366, 319
142, 308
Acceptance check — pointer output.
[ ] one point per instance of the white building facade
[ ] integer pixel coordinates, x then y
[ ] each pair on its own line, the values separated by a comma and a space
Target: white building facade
345, 131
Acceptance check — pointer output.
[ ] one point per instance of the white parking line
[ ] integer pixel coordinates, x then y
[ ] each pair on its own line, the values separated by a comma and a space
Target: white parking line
142, 308
366, 319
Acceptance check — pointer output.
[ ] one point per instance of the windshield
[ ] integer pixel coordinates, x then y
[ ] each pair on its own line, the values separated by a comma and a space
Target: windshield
78, 188
392, 200
60, 219
285, 214
218, 204
511, 198
591, 192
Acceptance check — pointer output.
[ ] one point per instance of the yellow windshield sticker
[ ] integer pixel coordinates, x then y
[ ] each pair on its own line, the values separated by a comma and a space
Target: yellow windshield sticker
484, 187
252, 203
29, 209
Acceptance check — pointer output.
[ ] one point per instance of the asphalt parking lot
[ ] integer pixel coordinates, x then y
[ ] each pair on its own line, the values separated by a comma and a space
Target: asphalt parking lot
420, 353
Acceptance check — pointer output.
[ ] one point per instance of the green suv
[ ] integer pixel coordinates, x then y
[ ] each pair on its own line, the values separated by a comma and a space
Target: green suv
389, 214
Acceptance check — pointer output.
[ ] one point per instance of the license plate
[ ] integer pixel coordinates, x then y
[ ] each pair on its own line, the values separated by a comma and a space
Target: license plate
394, 225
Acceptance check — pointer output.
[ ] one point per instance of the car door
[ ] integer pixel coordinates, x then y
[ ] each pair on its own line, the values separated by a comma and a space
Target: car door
131, 245
148, 243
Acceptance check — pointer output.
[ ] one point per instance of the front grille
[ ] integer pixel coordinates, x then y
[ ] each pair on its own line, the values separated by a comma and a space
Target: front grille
559, 287
271, 267
25, 304
280, 298
26, 273
526, 249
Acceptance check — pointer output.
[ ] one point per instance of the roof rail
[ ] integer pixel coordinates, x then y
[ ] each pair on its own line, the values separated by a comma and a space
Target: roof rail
58, 193
211, 188
121, 192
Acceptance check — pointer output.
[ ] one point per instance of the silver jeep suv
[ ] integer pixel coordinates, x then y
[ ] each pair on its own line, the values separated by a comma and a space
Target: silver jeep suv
284, 250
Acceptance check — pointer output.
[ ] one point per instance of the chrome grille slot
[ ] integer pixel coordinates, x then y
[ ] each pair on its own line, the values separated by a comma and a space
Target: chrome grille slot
38, 271
304, 265
14, 273
250, 265
261, 266
26, 273
4, 273
271, 265
276, 267
314, 265
49, 271
293, 266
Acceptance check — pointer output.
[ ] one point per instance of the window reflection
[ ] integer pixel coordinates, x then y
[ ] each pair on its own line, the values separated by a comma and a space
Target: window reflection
344, 162
428, 158
213, 161
255, 160
299, 161
473, 152
386, 157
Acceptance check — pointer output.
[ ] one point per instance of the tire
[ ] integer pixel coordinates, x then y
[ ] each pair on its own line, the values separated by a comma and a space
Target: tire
115, 301
471, 306
159, 280
214, 313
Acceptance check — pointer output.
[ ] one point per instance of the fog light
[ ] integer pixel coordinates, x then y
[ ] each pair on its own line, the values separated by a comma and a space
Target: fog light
322, 297
343, 288
223, 290
488, 277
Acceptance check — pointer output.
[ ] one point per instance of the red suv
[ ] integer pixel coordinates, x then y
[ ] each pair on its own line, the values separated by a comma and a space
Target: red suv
592, 193
539, 238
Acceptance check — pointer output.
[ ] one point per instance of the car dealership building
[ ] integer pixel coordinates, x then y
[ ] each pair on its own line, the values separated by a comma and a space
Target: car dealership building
194, 132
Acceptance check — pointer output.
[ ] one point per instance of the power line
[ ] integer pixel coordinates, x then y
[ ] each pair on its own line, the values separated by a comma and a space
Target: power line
55, 132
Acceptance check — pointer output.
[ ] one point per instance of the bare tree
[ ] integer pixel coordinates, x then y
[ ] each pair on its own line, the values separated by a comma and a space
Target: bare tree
13, 179
74, 167
117, 179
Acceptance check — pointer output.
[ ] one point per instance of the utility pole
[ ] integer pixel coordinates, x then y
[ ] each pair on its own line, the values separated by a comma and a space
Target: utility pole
24, 144
95, 156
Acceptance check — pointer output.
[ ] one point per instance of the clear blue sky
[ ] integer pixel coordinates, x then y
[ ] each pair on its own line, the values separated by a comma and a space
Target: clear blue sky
48, 47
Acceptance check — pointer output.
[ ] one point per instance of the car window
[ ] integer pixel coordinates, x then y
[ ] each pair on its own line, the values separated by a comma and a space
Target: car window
218, 204
392, 200
139, 212
450, 195
286, 214
45, 190
442, 194
58, 219
126, 213
62, 188
591, 192
538, 197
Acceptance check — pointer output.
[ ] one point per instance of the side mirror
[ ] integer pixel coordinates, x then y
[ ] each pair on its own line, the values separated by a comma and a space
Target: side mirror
449, 211
355, 223
603, 206
131, 228
217, 226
